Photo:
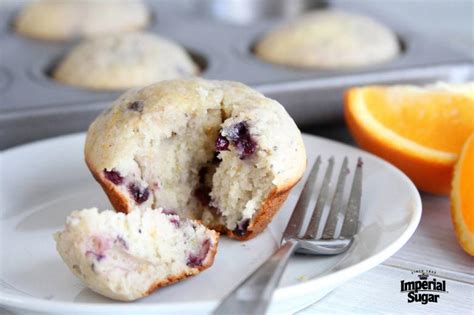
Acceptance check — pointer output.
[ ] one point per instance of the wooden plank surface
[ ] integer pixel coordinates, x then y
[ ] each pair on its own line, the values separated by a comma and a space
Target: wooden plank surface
433, 247
434, 242
378, 291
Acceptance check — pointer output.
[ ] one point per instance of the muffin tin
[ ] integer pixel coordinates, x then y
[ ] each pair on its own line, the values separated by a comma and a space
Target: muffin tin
34, 106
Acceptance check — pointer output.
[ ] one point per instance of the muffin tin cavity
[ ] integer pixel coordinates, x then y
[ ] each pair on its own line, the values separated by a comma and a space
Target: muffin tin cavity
8, 19
223, 51
248, 53
42, 72
200, 60
67, 21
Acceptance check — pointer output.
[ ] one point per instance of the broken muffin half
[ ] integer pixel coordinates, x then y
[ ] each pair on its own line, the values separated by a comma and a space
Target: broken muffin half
128, 256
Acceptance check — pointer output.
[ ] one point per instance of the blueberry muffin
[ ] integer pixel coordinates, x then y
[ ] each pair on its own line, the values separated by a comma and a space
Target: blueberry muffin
127, 257
68, 19
216, 151
329, 39
122, 61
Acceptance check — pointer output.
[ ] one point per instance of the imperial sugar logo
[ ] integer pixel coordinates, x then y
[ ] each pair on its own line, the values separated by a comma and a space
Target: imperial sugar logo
426, 289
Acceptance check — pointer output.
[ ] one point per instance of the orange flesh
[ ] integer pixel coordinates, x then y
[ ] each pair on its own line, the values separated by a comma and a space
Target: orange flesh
434, 119
467, 186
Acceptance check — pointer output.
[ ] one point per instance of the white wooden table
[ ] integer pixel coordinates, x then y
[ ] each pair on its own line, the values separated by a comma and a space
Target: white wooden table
432, 247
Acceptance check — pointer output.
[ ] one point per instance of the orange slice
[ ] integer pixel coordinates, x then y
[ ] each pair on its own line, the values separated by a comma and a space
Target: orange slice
419, 129
462, 197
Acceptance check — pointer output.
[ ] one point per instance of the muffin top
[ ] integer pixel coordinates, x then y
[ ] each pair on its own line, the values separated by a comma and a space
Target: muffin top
164, 110
123, 61
67, 19
216, 151
329, 39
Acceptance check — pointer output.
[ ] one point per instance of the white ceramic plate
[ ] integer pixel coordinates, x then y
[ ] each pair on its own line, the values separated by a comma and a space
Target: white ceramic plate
42, 182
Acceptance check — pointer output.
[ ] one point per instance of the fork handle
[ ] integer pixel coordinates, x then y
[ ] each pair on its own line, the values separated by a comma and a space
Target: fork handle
254, 294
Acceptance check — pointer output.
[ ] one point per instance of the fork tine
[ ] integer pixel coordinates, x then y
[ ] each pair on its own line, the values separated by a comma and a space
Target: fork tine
331, 222
351, 219
296, 221
313, 225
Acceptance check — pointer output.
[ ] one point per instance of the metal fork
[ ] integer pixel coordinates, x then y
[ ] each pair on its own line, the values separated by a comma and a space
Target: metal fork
254, 294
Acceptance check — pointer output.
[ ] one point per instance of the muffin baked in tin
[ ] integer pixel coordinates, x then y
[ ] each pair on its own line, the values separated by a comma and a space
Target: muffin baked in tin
69, 19
122, 61
329, 39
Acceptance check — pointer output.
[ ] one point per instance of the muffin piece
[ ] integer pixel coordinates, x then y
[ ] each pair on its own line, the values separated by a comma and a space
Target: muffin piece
329, 39
123, 61
211, 150
127, 257
68, 19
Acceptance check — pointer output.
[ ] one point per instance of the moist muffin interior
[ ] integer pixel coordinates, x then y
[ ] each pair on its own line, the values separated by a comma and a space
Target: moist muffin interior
206, 167
126, 257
